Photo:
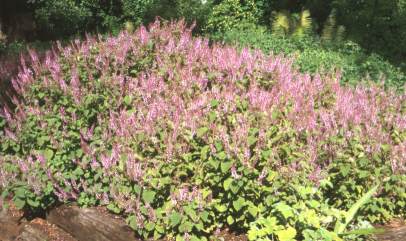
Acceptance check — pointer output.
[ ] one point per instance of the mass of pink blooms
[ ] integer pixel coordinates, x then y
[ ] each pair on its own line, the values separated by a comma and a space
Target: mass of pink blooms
165, 87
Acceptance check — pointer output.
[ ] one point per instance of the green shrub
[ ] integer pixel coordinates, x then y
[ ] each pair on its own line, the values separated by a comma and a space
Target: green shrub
62, 18
229, 13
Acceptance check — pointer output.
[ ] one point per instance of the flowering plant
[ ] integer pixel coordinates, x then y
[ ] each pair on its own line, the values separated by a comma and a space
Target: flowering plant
184, 138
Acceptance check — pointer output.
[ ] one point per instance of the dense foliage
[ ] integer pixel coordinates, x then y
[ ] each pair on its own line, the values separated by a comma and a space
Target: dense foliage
62, 18
185, 139
312, 55
327, 29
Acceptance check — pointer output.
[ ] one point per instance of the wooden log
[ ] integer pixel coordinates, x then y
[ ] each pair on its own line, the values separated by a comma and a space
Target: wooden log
394, 234
32, 232
88, 224
9, 224
41, 230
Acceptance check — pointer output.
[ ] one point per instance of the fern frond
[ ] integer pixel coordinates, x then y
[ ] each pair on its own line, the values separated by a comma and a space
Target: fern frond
281, 23
340, 33
302, 25
329, 28
305, 19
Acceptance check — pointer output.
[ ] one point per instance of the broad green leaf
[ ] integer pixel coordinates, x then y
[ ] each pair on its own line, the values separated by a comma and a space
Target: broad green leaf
288, 234
127, 100
175, 219
226, 166
222, 155
251, 140
33, 203
227, 183
253, 210
201, 131
20, 192
191, 213
48, 154
285, 210
113, 208
19, 203
132, 222
149, 226
221, 208
214, 103
239, 204
148, 196
230, 220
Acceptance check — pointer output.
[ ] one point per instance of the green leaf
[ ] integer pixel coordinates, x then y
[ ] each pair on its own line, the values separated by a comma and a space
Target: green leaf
148, 196
214, 103
127, 100
226, 166
221, 208
186, 227
201, 131
19, 203
20, 192
227, 183
349, 216
222, 155
114, 208
204, 152
252, 140
132, 222
365, 231
175, 219
149, 226
253, 210
285, 210
345, 170
288, 234
204, 216
230, 220
48, 154
214, 163
239, 204
33, 203
191, 213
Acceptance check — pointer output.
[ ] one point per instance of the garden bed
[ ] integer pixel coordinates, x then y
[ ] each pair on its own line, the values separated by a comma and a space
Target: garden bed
182, 139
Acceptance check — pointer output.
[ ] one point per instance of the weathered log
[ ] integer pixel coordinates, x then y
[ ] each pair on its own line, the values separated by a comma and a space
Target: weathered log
87, 224
9, 225
41, 230
32, 232
394, 234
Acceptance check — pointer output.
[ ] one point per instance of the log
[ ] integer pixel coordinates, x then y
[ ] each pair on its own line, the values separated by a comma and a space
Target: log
41, 230
89, 224
9, 224
33, 233
394, 234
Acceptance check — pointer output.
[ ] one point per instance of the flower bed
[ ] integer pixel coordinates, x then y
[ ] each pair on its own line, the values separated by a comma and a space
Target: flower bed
183, 139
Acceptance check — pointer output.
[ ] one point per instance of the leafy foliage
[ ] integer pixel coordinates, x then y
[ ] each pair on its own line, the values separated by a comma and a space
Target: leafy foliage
375, 25
184, 138
229, 13
312, 55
